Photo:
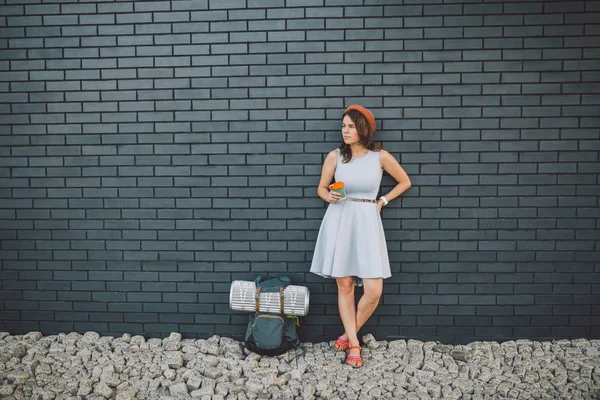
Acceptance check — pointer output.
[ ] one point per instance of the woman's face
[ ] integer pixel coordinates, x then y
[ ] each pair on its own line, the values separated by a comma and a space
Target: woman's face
349, 132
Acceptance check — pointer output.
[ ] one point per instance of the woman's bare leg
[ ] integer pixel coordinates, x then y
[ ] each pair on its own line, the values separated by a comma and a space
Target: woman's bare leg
348, 314
347, 307
368, 302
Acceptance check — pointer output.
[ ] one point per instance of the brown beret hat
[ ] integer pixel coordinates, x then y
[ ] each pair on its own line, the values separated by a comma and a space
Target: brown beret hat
365, 112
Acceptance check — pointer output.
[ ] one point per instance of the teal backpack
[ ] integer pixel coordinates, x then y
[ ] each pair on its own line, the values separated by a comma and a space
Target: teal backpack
271, 334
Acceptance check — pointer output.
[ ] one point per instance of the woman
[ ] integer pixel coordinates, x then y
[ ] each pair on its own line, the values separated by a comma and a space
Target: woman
351, 242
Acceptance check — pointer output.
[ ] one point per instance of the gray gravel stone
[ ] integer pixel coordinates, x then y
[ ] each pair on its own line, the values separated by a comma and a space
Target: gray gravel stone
459, 355
194, 383
442, 348
126, 395
178, 389
91, 337
6, 390
173, 359
17, 351
32, 336
173, 342
17, 377
103, 390
85, 387
370, 342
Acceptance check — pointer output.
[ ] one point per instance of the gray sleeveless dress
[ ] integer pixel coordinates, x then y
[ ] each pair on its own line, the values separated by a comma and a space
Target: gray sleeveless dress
351, 241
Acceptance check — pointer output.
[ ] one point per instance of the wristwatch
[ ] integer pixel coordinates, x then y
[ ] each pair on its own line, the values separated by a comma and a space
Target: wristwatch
385, 201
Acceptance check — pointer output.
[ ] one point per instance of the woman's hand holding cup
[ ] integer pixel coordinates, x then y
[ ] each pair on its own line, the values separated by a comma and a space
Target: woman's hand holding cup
334, 197
337, 192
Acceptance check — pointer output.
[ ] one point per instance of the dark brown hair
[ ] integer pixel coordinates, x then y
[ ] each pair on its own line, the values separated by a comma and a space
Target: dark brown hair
365, 134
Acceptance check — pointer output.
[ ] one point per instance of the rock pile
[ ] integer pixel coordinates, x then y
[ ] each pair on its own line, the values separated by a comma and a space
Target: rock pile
75, 366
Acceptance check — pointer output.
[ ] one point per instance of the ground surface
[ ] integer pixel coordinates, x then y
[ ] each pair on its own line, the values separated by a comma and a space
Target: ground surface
74, 366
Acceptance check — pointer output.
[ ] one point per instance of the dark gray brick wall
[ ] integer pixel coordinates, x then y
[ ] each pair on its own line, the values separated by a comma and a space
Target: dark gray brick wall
154, 151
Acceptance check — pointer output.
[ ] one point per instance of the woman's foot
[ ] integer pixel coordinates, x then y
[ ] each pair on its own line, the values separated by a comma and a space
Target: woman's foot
354, 358
341, 344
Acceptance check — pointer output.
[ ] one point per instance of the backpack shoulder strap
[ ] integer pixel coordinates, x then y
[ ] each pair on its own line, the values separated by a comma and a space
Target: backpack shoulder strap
266, 284
257, 299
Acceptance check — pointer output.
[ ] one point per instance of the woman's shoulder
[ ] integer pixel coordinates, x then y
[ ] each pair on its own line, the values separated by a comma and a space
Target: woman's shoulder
386, 158
332, 157
383, 153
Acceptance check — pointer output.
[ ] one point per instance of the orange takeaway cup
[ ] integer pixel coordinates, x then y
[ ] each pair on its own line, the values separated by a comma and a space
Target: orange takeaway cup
339, 187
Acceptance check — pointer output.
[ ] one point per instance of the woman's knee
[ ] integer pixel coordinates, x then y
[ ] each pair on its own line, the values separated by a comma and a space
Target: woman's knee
373, 288
345, 285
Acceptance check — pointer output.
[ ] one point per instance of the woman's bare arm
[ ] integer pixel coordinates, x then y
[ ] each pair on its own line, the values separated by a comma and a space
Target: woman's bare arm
327, 173
392, 167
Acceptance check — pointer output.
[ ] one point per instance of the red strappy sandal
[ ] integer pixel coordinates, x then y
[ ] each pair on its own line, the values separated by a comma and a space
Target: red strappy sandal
341, 345
354, 358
